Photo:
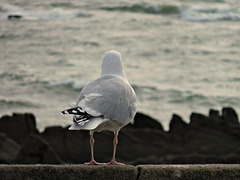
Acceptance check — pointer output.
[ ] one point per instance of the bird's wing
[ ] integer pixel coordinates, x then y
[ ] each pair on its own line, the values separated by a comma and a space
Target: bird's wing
110, 97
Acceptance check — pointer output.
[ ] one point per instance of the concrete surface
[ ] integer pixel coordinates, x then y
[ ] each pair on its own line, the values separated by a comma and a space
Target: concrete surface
163, 172
185, 172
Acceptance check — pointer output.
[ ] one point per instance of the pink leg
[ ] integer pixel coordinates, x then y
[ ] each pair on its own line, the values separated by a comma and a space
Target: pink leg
115, 142
92, 162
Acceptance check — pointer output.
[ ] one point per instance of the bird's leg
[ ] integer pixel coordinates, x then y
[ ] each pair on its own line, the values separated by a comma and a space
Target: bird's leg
115, 142
92, 162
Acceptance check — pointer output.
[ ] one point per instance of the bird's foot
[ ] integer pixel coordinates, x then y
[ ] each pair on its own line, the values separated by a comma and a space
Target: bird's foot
115, 163
93, 162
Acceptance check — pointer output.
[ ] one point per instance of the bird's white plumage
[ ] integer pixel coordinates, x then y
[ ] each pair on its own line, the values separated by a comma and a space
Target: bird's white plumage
110, 99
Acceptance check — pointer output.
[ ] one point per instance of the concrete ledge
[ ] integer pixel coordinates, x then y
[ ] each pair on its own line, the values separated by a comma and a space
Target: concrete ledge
165, 172
66, 172
185, 172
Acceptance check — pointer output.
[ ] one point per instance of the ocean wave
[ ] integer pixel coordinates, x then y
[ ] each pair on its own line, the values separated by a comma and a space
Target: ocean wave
13, 76
207, 14
172, 95
203, 100
145, 8
57, 13
183, 98
194, 14
72, 84
15, 103
63, 4
30, 80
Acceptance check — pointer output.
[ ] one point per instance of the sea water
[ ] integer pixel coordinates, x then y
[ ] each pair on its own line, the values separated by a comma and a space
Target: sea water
179, 56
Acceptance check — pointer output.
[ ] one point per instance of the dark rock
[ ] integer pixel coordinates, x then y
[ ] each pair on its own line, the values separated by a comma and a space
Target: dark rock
74, 147
229, 116
9, 149
71, 146
198, 119
177, 129
177, 125
37, 151
206, 139
214, 115
144, 121
141, 143
18, 126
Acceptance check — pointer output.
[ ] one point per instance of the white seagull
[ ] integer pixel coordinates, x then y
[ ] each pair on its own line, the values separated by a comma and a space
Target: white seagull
108, 103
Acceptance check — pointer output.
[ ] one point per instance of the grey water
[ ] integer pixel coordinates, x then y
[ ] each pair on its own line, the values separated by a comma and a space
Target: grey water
180, 56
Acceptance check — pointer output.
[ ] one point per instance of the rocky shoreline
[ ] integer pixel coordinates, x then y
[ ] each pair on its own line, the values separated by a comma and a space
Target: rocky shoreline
206, 139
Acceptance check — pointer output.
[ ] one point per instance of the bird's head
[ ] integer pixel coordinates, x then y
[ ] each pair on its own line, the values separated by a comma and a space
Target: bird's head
113, 64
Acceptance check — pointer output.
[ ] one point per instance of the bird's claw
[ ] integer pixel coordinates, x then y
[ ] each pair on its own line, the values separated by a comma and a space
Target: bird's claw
115, 163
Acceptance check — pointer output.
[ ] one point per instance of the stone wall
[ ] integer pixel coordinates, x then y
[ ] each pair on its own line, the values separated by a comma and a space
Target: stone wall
163, 172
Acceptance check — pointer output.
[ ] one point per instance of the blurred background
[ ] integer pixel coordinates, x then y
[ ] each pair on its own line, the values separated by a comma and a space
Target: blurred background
180, 56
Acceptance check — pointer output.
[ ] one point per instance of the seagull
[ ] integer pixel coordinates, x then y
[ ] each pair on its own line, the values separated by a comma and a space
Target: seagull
107, 103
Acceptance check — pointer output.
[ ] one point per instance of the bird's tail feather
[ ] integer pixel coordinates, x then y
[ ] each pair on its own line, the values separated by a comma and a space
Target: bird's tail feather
83, 120
80, 117
74, 110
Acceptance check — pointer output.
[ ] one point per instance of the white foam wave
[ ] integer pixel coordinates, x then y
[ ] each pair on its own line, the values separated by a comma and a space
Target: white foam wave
76, 85
7, 11
208, 14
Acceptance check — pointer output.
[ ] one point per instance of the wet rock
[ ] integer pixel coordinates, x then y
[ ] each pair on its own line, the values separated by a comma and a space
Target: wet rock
71, 146
18, 126
9, 149
144, 121
206, 139
142, 144
229, 116
197, 119
214, 115
74, 147
37, 151
177, 125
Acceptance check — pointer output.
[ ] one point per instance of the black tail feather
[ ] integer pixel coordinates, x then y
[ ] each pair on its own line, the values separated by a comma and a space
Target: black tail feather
75, 110
80, 116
